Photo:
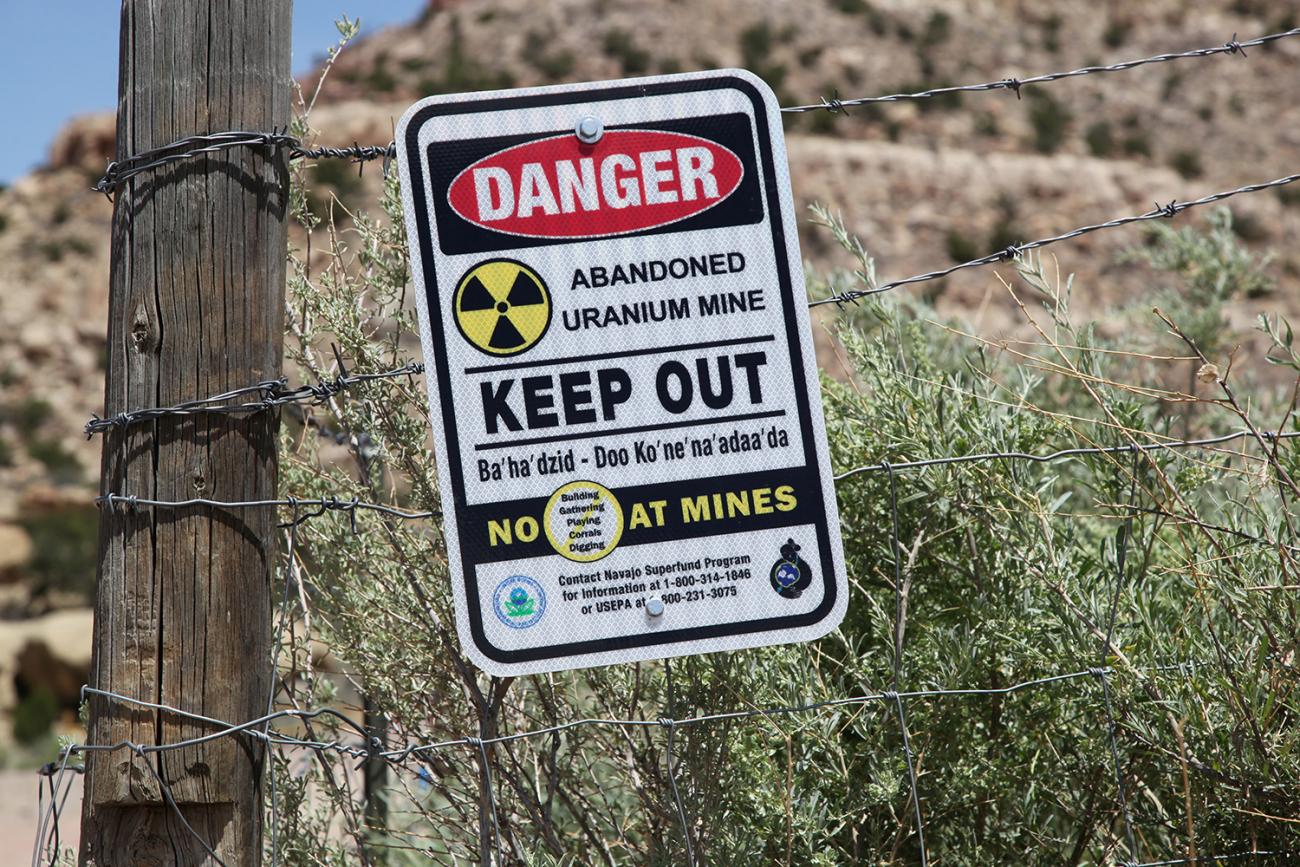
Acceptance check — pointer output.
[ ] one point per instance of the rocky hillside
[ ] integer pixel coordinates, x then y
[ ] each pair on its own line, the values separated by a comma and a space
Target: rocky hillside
924, 184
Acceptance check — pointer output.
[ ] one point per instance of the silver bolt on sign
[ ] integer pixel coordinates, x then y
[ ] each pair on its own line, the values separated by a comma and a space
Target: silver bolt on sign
589, 130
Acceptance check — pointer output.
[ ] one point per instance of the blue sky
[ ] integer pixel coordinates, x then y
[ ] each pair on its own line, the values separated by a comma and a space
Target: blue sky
61, 59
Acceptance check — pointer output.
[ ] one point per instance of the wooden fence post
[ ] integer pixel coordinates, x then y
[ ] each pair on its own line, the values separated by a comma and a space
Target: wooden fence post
182, 610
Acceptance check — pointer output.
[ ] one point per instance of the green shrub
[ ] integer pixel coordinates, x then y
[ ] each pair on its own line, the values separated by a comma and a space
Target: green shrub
757, 44
1052, 33
64, 550
554, 65
1116, 33
876, 20
4, 221
938, 27
6, 453
380, 79
986, 124
1137, 142
1173, 81
462, 72
28, 414
1012, 567
1249, 227
1209, 269
1050, 120
961, 247
1187, 163
34, 716
1100, 141
620, 45
342, 177
1289, 196
822, 122
61, 464
79, 246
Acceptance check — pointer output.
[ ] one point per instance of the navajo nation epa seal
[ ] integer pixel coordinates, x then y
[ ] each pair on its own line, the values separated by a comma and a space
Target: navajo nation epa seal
519, 601
790, 575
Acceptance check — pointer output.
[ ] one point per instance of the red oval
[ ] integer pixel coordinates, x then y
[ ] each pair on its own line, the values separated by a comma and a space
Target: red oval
629, 181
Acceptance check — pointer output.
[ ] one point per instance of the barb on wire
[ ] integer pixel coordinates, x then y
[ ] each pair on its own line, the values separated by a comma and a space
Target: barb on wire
886, 466
270, 393
1232, 46
119, 171
1160, 212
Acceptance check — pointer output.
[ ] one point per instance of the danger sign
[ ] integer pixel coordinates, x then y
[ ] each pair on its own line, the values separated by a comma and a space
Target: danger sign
625, 405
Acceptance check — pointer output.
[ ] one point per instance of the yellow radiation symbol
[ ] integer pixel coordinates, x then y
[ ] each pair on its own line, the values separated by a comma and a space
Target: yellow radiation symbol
502, 307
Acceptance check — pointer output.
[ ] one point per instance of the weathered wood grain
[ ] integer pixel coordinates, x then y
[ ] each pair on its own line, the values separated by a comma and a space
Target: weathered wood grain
182, 614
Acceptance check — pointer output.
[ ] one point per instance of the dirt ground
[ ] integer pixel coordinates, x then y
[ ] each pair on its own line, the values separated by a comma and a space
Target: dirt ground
19, 818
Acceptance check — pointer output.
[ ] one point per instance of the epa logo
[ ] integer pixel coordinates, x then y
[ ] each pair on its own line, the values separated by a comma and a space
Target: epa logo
519, 602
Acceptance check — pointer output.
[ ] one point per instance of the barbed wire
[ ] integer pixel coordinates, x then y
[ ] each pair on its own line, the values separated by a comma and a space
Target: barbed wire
836, 105
270, 393
119, 171
366, 744
1159, 212
307, 508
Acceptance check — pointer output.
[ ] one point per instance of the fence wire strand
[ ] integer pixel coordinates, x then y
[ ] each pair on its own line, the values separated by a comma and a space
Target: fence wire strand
669, 724
270, 393
360, 747
1102, 673
1159, 212
900, 602
1232, 46
119, 171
